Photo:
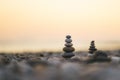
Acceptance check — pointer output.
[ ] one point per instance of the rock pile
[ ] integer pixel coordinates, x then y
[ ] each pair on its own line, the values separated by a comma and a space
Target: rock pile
68, 49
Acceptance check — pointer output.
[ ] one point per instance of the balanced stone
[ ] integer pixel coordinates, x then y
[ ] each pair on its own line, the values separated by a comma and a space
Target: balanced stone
92, 48
68, 49
68, 44
68, 36
68, 40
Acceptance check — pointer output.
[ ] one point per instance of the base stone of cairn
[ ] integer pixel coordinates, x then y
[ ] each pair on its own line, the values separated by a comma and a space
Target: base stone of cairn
68, 49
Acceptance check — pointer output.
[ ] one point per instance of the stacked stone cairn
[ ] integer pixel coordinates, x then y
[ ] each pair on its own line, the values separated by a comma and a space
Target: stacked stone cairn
98, 56
92, 48
68, 49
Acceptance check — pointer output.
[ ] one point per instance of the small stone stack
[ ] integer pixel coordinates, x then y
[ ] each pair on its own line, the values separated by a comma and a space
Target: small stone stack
92, 48
68, 49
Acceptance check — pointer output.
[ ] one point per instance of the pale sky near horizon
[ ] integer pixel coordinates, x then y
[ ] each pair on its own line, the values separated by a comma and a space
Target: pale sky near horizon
43, 24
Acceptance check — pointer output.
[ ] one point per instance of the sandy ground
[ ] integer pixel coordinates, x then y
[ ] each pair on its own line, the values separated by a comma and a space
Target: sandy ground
52, 66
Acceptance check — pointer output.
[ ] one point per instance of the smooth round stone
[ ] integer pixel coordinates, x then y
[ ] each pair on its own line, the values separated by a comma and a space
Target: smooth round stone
54, 60
90, 55
92, 46
93, 49
68, 36
92, 42
68, 44
68, 49
115, 59
68, 55
68, 40
100, 54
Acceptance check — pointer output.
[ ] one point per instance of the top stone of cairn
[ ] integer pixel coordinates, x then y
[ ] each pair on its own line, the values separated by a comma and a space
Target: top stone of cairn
68, 39
68, 36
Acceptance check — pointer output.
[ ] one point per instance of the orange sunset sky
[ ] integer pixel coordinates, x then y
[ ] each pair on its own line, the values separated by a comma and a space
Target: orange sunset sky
43, 24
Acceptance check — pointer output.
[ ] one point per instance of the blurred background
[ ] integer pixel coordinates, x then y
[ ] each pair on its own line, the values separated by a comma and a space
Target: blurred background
41, 25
